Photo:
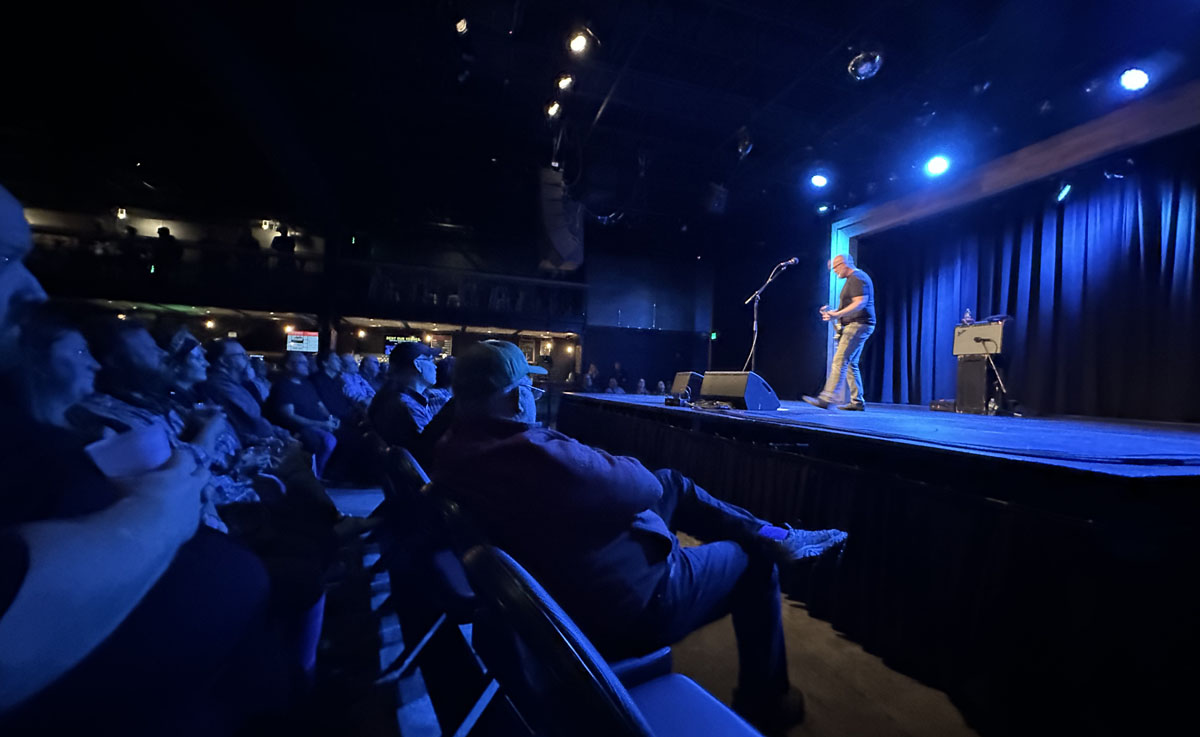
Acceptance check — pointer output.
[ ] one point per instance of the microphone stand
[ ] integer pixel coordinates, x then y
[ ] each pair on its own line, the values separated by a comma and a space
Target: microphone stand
775, 272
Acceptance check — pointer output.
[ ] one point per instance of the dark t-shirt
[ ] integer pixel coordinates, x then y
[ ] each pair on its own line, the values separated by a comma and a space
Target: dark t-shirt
858, 284
301, 395
330, 392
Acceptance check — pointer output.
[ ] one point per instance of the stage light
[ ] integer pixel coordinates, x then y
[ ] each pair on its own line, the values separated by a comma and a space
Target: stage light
209, 324
865, 65
362, 333
822, 209
288, 328
121, 214
553, 109
565, 81
461, 26
1063, 192
121, 316
937, 166
579, 42
1134, 79
819, 180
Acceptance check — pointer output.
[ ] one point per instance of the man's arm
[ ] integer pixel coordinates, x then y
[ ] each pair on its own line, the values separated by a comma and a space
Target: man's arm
93, 570
855, 305
287, 412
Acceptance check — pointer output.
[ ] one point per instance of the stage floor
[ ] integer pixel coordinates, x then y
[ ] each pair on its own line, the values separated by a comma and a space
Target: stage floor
1117, 447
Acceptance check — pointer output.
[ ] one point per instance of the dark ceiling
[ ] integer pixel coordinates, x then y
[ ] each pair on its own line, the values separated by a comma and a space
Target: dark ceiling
374, 116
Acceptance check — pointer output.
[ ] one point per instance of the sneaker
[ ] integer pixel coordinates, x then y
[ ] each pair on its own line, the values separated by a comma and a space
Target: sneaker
805, 544
816, 401
775, 716
853, 407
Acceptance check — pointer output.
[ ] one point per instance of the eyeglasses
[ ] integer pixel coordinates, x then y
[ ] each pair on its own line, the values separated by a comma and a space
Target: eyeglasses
536, 391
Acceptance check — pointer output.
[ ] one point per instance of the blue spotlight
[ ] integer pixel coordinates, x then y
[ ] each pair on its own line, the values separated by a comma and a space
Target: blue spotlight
1134, 79
937, 166
1063, 192
819, 180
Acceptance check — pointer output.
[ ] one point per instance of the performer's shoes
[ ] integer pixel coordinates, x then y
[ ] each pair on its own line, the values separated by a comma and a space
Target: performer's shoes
805, 544
816, 401
853, 407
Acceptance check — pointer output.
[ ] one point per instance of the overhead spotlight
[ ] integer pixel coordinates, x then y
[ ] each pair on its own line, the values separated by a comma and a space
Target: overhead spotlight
865, 65
121, 214
461, 26
819, 180
553, 109
209, 324
565, 81
579, 42
1134, 79
362, 333
288, 328
1063, 191
937, 166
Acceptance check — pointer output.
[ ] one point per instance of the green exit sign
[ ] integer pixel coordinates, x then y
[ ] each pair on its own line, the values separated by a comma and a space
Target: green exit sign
712, 335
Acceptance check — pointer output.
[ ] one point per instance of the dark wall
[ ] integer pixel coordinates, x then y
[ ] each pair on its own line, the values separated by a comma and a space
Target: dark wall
653, 355
640, 290
791, 341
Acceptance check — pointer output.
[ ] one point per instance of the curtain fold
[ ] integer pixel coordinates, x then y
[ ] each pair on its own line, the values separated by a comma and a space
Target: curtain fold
1104, 290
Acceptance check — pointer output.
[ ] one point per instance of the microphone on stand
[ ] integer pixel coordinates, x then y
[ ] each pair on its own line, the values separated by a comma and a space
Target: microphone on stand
790, 262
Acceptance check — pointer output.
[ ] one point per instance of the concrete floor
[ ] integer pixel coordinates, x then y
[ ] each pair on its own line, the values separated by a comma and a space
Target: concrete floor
847, 690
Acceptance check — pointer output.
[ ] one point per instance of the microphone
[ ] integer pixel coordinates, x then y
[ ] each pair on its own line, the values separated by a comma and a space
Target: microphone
790, 262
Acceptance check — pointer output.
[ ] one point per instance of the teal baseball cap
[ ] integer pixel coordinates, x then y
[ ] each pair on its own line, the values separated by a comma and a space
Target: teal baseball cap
490, 366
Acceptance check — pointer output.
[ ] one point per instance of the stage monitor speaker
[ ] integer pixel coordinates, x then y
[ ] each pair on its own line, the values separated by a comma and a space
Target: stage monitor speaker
687, 383
742, 389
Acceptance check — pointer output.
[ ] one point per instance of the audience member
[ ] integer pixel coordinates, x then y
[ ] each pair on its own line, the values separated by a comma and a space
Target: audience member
328, 383
370, 371
175, 632
614, 387
400, 412
295, 405
641, 387
285, 245
619, 374
259, 382
594, 372
596, 530
442, 391
167, 250
228, 363
354, 386
588, 384
661, 388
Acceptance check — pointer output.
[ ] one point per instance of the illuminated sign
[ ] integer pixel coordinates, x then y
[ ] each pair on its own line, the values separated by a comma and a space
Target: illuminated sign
303, 340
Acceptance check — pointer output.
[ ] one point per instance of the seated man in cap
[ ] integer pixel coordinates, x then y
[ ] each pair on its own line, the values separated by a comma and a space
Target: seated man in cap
596, 530
400, 411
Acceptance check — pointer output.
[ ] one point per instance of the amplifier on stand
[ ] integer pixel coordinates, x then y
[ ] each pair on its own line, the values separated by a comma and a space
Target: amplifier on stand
980, 384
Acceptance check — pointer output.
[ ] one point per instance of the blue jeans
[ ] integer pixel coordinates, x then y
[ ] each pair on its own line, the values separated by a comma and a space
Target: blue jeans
845, 363
729, 575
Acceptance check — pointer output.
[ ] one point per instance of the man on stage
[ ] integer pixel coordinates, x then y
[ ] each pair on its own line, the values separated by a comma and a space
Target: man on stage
856, 321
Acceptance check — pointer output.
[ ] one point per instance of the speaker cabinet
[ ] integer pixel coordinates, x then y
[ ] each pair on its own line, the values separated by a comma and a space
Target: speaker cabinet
687, 383
742, 389
971, 396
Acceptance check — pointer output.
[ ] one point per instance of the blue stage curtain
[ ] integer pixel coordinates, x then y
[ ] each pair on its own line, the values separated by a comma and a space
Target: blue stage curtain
1104, 289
